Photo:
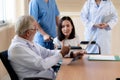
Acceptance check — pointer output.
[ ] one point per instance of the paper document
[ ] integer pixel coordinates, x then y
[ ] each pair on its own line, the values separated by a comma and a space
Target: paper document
103, 57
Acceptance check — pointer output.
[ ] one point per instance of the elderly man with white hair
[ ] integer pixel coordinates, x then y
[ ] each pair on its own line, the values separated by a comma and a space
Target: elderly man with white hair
29, 59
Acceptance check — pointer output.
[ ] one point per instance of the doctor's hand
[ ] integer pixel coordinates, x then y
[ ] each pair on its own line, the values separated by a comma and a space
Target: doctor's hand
64, 49
103, 25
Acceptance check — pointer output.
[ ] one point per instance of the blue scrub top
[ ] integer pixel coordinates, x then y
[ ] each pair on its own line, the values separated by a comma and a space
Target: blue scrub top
45, 14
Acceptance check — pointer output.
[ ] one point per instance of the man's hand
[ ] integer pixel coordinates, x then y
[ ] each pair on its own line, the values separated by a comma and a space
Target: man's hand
47, 37
79, 53
64, 49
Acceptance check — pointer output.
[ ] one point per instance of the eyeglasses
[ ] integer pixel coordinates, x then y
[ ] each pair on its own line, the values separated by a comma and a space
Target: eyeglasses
33, 29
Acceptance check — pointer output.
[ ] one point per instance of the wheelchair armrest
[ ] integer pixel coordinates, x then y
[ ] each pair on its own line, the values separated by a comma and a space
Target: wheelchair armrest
86, 42
72, 47
37, 78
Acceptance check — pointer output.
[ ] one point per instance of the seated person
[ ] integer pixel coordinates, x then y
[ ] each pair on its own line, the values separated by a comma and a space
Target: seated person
29, 59
66, 35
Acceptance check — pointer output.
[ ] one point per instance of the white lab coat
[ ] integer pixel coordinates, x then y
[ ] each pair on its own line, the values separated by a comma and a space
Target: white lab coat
92, 14
32, 60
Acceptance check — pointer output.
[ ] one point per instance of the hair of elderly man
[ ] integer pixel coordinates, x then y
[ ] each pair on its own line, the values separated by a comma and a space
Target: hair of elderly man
23, 23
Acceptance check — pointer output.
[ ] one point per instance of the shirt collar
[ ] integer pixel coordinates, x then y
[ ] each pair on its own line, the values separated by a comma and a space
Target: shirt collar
20, 39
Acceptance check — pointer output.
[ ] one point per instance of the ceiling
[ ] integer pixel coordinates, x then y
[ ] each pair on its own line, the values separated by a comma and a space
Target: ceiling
70, 5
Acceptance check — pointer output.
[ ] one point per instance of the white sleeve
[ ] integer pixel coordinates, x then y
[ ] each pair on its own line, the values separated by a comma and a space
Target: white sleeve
26, 57
114, 19
84, 15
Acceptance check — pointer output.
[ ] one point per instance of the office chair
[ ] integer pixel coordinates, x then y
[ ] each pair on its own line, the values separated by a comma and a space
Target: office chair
10, 70
117, 78
92, 43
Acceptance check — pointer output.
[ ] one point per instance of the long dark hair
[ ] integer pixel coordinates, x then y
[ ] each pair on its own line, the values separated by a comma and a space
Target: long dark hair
61, 36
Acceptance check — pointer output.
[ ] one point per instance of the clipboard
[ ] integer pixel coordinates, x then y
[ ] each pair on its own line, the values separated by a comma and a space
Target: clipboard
107, 18
71, 47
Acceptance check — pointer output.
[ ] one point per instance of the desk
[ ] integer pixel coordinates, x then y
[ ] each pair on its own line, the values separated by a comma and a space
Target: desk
89, 70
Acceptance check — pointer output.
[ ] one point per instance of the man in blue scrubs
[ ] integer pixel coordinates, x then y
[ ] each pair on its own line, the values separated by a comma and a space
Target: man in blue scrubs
46, 14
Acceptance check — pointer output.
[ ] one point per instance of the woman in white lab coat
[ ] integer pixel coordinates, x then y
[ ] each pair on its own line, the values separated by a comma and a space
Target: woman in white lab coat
99, 17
